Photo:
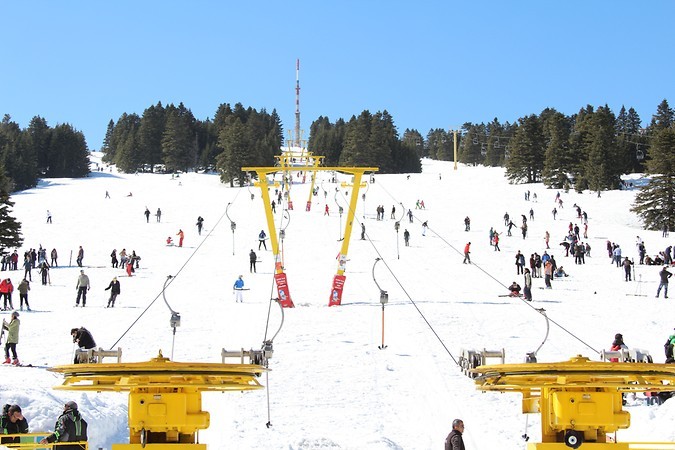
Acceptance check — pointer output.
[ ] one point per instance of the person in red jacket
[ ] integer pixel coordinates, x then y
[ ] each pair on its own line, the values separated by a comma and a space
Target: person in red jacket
180, 235
467, 250
617, 344
6, 289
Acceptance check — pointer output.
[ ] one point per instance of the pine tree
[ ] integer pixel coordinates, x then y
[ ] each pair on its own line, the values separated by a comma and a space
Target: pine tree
10, 229
558, 161
108, 147
655, 203
357, 134
602, 167
526, 155
178, 139
68, 153
235, 146
150, 134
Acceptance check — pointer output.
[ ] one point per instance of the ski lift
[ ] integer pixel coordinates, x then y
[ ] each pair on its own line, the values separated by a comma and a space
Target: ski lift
639, 153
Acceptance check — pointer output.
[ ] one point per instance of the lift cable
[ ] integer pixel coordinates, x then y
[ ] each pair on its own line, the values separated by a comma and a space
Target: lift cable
173, 278
489, 275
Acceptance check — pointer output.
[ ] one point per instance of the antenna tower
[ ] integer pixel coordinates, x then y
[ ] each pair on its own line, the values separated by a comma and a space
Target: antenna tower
297, 142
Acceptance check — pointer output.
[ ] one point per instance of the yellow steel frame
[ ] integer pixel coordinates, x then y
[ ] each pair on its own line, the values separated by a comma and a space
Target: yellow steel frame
580, 396
263, 172
164, 396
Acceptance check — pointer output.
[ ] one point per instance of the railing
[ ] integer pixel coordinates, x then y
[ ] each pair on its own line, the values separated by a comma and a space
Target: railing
31, 441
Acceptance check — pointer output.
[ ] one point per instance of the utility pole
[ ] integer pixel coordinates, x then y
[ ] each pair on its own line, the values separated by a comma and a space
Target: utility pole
297, 103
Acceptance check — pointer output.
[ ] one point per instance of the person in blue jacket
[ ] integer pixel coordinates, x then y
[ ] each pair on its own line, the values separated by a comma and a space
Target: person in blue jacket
238, 288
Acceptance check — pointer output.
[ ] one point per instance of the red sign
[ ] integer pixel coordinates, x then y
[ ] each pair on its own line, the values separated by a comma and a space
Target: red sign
290, 204
309, 206
282, 290
336, 291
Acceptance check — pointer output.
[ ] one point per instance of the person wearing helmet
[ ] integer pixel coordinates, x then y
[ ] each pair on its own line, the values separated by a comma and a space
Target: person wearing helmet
70, 427
617, 345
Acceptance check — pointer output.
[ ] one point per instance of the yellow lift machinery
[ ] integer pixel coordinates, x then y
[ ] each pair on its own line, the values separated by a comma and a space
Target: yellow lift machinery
580, 401
286, 161
165, 402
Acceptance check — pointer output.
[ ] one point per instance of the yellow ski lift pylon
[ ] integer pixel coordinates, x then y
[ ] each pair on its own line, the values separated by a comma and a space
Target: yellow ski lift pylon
279, 276
580, 401
164, 396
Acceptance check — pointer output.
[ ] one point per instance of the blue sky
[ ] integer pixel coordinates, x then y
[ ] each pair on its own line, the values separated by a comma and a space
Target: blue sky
431, 64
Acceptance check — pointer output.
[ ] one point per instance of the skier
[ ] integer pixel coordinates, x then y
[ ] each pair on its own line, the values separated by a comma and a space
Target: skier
147, 215
424, 228
274, 206
49, 217
181, 236
495, 240
82, 287
531, 214
410, 216
44, 272
393, 212
261, 239
12, 338
107, 195
363, 232
27, 266
664, 274
555, 212
467, 223
406, 238
70, 427
253, 258
55, 257
200, 224
325, 212
84, 340
113, 259
627, 264
23, 288
115, 290
238, 288
158, 214
6, 289
12, 422
80, 256
515, 289
506, 219
467, 250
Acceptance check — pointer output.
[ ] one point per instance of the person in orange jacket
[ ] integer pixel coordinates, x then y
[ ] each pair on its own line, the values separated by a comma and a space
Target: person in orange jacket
467, 250
180, 235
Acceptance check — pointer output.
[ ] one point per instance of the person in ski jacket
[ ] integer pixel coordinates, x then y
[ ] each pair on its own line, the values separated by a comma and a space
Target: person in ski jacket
253, 258
44, 272
12, 421
82, 287
27, 266
664, 274
6, 289
200, 225
238, 288
515, 289
617, 344
23, 288
668, 347
70, 427
12, 338
158, 214
406, 237
627, 264
261, 239
147, 215
180, 235
527, 289
454, 441
84, 340
80, 256
115, 290
467, 250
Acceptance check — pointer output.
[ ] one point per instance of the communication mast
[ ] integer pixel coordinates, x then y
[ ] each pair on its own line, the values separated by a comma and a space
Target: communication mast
296, 142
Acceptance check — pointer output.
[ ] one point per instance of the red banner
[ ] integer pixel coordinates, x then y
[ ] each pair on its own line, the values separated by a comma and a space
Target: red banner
336, 292
282, 289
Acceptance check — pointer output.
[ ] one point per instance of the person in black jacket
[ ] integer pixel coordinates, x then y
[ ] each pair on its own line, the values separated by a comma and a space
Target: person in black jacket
454, 440
253, 258
12, 422
115, 290
70, 427
84, 340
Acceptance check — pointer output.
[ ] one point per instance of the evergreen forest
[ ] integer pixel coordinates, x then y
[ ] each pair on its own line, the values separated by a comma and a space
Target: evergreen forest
589, 150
